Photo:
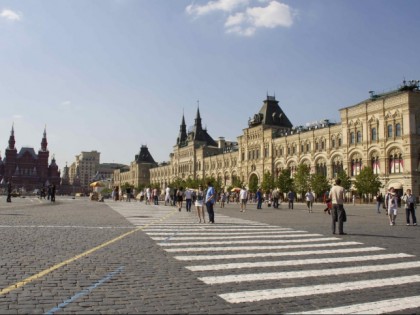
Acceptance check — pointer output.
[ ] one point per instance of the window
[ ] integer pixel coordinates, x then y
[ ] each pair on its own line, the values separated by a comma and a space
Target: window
375, 165
373, 134
389, 131
398, 130
351, 137
359, 137
339, 142
356, 166
396, 164
308, 147
333, 143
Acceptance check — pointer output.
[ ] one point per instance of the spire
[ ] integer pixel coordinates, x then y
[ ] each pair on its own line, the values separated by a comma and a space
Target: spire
44, 142
198, 120
12, 139
182, 132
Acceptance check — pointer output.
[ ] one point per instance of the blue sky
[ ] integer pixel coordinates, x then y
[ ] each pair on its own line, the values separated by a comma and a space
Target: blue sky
112, 75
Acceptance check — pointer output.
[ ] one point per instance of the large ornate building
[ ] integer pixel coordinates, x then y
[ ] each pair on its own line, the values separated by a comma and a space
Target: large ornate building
382, 131
27, 170
138, 172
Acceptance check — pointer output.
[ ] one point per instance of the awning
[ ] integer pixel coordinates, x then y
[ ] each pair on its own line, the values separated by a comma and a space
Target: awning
396, 185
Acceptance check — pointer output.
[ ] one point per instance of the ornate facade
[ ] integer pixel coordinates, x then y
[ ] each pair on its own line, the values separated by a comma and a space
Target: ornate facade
382, 131
138, 173
27, 170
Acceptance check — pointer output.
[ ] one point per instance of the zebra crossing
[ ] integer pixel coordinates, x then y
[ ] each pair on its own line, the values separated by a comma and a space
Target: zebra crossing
252, 262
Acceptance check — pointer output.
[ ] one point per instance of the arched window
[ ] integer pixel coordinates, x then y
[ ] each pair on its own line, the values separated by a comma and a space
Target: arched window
398, 130
375, 165
356, 166
337, 167
396, 163
373, 134
389, 131
321, 168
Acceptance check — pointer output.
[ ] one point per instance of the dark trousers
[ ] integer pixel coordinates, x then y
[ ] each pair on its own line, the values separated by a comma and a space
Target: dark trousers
337, 216
275, 202
9, 197
412, 212
290, 204
259, 203
188, 204
210, 211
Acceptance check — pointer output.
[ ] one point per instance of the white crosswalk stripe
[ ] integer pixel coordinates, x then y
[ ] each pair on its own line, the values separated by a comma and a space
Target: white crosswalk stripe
244, 252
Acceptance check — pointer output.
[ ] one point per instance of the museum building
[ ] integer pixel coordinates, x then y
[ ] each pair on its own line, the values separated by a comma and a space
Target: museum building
382, 131
26, 170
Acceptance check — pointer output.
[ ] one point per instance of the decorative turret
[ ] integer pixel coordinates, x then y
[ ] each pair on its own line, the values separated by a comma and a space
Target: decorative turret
182, 138
144, 156
12, 139
44, 142
199, 134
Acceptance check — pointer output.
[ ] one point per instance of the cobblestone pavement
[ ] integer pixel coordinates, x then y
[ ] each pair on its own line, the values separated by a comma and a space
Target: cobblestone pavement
78, 256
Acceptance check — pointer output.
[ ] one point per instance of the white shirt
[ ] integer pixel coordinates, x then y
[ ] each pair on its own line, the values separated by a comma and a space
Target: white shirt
243, 194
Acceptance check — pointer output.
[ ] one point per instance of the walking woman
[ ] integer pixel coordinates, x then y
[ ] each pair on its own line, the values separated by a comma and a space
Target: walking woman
199, 205
179, 198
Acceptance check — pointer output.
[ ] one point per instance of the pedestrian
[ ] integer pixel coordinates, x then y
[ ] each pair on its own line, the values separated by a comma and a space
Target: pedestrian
276, 195
188, 199
309, 196
329, 206
410, 207
291, 198
222, 199
53, 190
379, 200
243, 196
354, 200
199, 204
167, 196
392, 206
179, 198
337, 198
155, 196
9, 192
259, 198
210, 200
128, 192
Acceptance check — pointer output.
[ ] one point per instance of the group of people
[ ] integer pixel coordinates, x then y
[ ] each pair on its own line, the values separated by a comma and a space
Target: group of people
48, 192
391, 203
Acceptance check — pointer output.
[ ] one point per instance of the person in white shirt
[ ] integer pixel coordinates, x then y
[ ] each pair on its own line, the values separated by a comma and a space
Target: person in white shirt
243, 196
410, 207
392, 206
337, 199
309, 200
167, 196
188, 199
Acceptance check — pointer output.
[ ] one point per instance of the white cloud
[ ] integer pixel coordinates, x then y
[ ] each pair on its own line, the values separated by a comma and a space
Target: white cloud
17, 116
244, 19
10, 15
218, 5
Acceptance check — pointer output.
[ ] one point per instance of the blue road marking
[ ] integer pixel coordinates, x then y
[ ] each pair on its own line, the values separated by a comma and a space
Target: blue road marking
85, 291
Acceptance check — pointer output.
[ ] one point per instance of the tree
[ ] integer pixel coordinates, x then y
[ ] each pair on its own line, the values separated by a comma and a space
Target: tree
345, 180
302, 179
319, 184
267, 183
285, 182
367, 182
253, 184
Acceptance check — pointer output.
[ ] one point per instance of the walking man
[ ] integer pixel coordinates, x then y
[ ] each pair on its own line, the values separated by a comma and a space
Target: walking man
309, 200
9, 192
291, 197
210, 200
410, 207
337, 198
243, 195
